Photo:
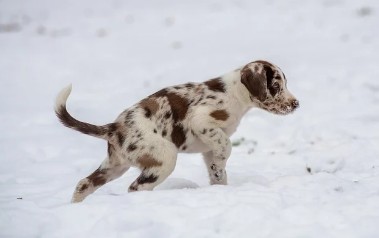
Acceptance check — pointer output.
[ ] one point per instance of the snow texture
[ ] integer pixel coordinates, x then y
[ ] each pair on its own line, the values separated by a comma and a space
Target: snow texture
314, 173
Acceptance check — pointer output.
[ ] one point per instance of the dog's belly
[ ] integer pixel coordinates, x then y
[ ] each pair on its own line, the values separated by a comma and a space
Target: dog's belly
195, 145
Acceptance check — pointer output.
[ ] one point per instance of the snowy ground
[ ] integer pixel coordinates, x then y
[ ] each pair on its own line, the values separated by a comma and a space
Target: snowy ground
312, 174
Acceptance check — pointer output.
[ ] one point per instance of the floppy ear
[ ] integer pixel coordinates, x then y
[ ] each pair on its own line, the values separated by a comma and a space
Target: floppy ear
255, 82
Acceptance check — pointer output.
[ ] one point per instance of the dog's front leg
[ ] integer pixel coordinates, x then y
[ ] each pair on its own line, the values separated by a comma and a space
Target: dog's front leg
216, 158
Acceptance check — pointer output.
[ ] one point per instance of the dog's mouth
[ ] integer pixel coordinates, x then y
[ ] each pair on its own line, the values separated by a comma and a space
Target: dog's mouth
282, 110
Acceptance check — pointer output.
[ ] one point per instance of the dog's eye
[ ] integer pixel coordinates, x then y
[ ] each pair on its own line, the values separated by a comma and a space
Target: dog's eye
277, 77
276, 85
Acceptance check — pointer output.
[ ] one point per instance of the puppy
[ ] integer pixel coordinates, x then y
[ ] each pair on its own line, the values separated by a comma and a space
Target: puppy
190, 118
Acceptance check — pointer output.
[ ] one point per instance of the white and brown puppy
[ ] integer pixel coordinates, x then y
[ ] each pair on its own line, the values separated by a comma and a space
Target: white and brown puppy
192, 118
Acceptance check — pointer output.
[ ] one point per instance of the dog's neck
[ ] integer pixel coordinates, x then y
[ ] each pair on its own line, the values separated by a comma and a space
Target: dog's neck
237, 90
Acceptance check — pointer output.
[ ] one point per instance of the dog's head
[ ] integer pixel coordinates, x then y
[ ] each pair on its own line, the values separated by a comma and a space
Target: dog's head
267, 86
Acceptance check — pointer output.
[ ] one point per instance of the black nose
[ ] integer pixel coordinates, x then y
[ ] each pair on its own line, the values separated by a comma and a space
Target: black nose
295, 104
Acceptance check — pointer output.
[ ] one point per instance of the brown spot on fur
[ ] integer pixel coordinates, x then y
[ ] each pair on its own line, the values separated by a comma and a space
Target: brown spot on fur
83, 187
129, 116
112, 130
178, 136
146, 179
150, 106
179, 106
147, 112
110, 149
216, 85
147, 161
97, 177
254, 82
120, 138
132, 147
221, 115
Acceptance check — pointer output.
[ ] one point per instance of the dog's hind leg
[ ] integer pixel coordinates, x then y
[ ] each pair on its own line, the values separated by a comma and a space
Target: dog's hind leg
156, 166
108, 171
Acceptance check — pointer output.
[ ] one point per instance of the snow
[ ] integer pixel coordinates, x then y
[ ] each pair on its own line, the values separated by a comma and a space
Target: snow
314, 173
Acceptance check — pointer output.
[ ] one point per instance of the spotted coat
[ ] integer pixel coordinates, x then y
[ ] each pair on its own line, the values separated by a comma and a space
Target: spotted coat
190, 118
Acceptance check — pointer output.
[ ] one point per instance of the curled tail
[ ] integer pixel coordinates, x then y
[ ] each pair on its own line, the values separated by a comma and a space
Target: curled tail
103, 132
